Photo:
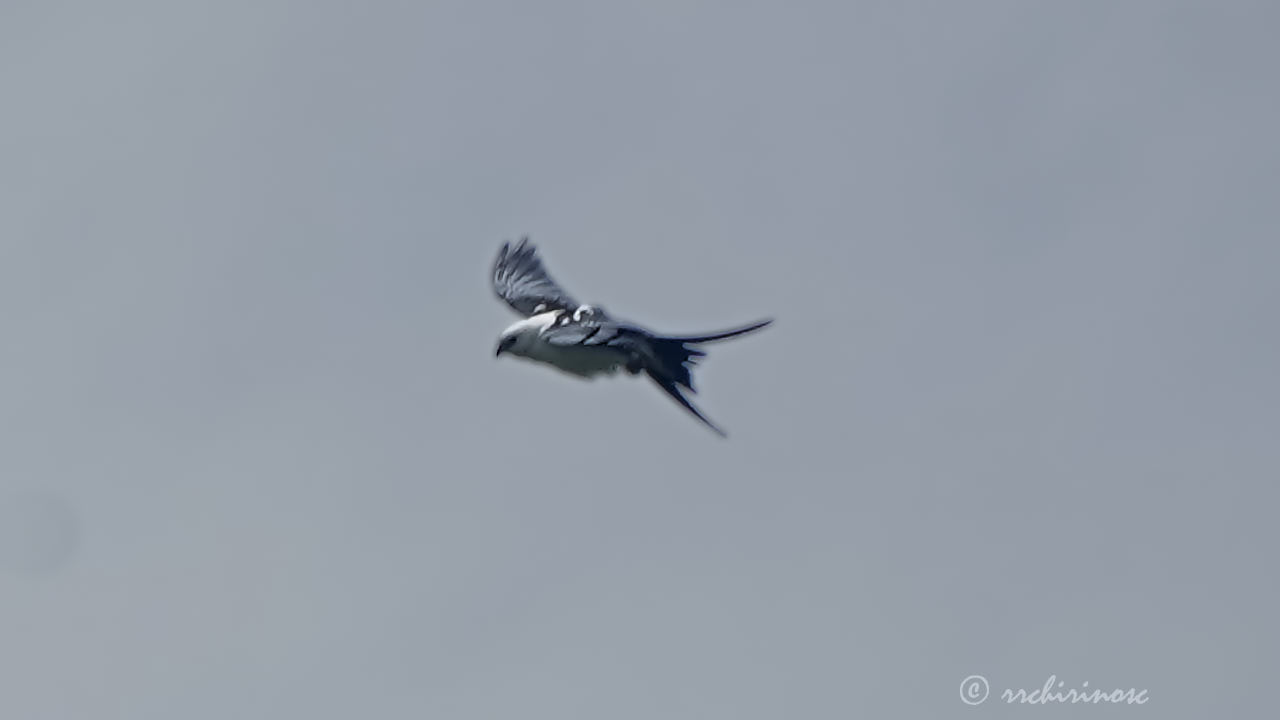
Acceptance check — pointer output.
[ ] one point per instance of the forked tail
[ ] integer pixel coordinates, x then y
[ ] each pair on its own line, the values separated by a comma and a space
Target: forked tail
673, 359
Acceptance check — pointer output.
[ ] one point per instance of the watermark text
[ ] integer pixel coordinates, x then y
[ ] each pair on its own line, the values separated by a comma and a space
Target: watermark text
975, 690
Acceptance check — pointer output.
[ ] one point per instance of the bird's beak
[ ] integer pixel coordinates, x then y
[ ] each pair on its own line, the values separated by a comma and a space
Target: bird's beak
503, 345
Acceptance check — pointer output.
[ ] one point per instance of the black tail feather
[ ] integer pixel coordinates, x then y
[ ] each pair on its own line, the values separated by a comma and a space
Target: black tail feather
670, 388
724, 334
672, 359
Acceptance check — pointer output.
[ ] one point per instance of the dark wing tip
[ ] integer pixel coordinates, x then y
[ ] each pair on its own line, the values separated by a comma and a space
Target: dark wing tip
500, 259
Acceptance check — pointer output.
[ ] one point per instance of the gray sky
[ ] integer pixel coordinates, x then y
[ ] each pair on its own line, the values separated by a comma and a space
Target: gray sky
1017, 417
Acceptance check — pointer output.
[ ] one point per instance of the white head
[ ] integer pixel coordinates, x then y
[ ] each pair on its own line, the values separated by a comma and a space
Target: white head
520, 338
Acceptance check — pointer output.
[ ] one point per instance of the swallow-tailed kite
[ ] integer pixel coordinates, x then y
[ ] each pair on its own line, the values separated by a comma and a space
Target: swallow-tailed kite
583, 340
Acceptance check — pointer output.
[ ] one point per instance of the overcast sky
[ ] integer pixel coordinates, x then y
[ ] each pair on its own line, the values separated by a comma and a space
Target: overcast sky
1018, 416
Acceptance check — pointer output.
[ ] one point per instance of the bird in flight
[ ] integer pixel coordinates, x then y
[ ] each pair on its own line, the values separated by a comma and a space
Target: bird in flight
583, 340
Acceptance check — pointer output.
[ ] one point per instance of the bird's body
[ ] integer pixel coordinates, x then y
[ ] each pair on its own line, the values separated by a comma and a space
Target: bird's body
580, 361
583, 340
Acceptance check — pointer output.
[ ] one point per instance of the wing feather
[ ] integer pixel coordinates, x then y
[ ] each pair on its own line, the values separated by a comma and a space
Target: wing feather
523, 283
595, 331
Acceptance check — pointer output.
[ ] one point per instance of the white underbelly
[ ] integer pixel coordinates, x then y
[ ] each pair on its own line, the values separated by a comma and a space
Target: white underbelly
585, 362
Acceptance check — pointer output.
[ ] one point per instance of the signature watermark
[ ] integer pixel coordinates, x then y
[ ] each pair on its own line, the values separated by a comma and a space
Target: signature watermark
975, 689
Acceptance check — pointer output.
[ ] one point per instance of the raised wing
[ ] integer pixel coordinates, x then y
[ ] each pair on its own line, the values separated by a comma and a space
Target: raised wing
520, 280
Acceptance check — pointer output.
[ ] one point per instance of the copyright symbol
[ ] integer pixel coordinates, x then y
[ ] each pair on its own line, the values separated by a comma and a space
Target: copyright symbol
974, 690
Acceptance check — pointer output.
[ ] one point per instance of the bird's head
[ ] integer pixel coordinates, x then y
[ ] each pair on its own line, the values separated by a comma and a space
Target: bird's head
517, 339
506, 342
522, 336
